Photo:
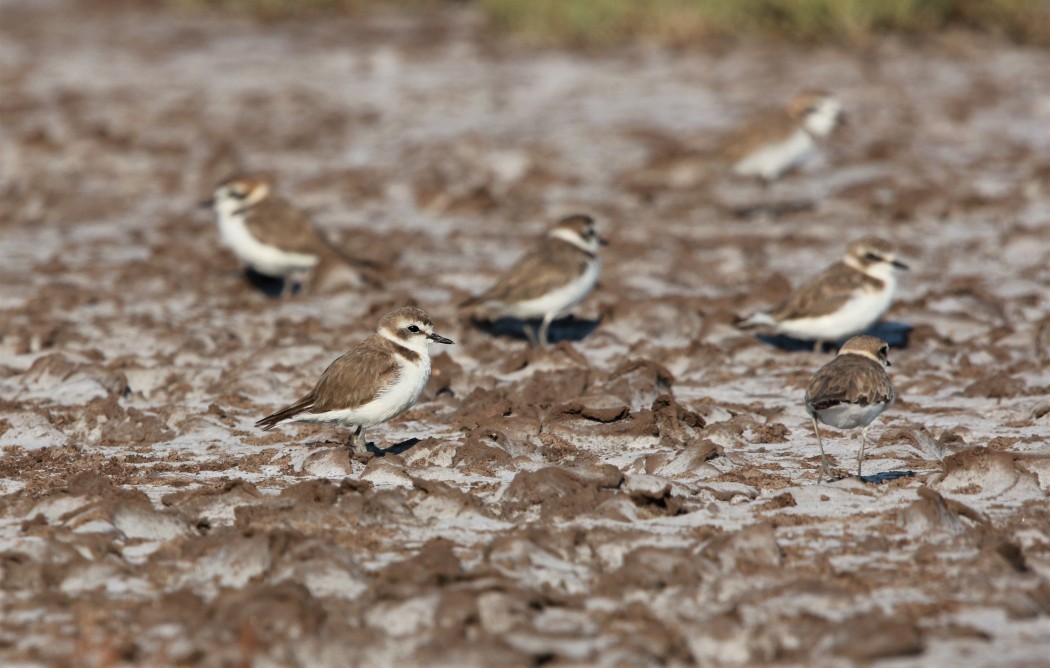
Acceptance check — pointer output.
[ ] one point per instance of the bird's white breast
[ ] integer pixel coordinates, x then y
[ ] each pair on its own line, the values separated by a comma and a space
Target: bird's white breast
560, 299
770, 161
263, 258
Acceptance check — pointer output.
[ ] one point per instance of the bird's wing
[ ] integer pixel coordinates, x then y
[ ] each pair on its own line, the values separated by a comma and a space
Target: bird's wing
849, 379
550, 266
277, 223
350, 381
821, 295
759, 131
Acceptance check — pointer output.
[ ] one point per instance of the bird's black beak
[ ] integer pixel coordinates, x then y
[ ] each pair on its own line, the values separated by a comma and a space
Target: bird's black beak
602, 241
437, 338
207, 204
900, 265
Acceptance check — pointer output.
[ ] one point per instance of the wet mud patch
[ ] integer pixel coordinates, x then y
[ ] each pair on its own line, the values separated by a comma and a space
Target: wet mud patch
643, 493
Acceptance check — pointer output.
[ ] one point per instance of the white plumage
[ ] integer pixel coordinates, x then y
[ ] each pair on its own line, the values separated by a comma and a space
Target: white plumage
261, 257
771, 161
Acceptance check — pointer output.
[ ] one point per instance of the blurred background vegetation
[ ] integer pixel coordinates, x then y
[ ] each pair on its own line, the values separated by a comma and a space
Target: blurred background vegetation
680, 22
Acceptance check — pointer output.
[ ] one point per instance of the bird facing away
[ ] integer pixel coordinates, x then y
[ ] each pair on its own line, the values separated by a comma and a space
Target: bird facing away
769, 145
548, 281
273, 237
378, 379
846, 299
851, 391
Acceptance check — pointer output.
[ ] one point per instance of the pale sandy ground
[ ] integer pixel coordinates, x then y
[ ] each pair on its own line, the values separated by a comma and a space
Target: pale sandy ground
644, 496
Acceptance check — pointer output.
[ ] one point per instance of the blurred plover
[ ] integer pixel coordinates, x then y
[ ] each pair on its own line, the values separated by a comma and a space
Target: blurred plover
851, 391
271, 236
548, 281
846, 299
771, 144
378, 379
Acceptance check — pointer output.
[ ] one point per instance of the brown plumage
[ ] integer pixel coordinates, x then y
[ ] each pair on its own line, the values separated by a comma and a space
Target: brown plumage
284, 241
825, 293
376, 380
549, 280
774, 142
762, 130
551, 265
843, 300
349, 381
275, 222
851, 379
851, 391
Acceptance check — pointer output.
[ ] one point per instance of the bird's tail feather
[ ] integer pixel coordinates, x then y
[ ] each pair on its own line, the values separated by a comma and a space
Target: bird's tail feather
336, 252
468, 304
336, 270
288, 412
760, 319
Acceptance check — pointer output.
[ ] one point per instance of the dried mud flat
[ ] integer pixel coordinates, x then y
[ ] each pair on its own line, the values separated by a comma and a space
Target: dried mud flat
646, 495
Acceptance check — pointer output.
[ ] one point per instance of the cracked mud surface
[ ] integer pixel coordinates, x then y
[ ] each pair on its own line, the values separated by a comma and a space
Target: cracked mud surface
644, 493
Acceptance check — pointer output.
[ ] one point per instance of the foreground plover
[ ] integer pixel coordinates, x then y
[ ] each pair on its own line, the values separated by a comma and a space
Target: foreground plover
846, 299
851, 391
378, 379
771, 144
548, 281
271, 236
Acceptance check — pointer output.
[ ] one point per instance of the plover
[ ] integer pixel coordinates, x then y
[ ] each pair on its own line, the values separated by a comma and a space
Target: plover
851, 391
846, 299
771, 144
548, 281
274, 238
378, 379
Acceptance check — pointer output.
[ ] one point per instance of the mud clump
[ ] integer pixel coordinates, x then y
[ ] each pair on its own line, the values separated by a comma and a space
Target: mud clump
559, 492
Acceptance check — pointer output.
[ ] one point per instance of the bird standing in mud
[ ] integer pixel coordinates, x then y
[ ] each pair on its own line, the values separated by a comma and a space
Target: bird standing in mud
276, 239
548, 281
851, 391
379, 379
846, 299
769, 145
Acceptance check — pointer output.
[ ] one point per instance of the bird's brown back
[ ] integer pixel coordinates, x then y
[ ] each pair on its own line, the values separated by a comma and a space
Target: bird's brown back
852, 379
552, 264
824, 293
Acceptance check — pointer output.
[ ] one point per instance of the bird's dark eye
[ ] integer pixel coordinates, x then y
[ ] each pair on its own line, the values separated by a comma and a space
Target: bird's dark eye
413, 329
873, 257
237, 194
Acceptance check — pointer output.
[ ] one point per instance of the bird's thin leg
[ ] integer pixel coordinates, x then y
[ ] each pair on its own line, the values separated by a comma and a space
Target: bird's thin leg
287, 286
530, 334
357, 441
544, 327
863, 442
765, 209
825, 470
818, 346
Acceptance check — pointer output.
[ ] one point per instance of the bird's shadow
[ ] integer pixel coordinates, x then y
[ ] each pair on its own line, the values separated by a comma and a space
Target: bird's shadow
880, 478
773, 209
373, 449
271, 286
894, 333
395, 449
569, 328
886, 476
